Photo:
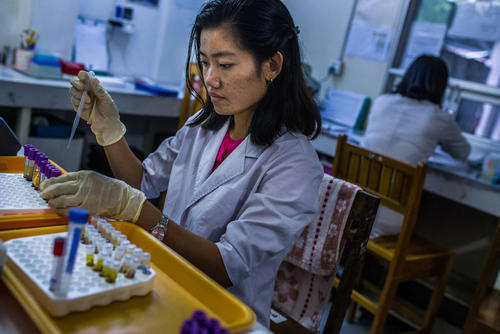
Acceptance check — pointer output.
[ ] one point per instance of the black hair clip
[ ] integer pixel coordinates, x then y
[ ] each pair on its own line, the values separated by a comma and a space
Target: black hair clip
296, 30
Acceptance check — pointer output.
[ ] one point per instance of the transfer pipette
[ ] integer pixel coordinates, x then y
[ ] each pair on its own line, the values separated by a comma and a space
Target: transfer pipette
79, 110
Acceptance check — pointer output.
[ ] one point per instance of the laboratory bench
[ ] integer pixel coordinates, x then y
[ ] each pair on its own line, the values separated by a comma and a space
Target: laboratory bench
26, 92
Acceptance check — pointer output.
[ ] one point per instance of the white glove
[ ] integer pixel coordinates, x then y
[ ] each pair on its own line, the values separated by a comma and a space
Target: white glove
99, 110
99, 194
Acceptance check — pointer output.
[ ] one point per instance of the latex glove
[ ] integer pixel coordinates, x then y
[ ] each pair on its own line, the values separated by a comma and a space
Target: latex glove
99, 194
99, 110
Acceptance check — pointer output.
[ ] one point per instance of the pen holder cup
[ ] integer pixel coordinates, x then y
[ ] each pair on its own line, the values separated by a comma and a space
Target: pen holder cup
23, 59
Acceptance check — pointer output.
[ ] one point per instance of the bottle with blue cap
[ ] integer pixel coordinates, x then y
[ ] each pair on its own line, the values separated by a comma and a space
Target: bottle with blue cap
78, 218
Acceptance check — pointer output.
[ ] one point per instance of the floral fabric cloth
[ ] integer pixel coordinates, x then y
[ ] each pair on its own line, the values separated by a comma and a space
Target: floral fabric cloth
305, 278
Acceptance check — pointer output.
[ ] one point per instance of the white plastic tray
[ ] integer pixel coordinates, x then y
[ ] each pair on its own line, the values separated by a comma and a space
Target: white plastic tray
32, 258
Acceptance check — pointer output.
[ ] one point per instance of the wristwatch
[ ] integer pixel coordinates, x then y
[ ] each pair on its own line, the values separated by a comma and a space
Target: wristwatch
160, 230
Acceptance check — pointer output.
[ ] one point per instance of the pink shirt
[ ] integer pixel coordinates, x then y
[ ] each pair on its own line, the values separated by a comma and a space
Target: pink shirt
228, 145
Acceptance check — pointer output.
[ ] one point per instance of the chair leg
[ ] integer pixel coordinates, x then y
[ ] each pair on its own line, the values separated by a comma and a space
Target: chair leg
436, 297
384, 305
351, 313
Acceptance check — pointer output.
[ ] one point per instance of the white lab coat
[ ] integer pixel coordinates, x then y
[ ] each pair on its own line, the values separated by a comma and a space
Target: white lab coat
409, 130
253, 206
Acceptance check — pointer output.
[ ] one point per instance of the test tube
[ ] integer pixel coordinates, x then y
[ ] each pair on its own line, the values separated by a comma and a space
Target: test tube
89, 249
55, 172
57, 265
77, 220
121, 239
31, 163
146, 263
27, 149
36, 170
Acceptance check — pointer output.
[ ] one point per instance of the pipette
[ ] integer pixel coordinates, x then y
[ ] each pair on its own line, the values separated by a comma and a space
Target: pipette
79, 110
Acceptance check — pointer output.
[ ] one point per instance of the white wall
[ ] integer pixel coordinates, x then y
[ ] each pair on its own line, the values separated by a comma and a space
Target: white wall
53, 19
322, 24
14, 17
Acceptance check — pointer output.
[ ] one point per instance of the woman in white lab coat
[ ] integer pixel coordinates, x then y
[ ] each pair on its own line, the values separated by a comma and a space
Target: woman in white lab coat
242, 176
409, 124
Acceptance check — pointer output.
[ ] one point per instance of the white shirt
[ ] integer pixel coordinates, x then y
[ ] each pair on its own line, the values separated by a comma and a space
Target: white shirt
409, 130
253, 206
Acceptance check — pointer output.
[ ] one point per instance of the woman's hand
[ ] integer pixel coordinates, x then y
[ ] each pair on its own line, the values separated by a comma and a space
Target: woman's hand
99, 110
99, 194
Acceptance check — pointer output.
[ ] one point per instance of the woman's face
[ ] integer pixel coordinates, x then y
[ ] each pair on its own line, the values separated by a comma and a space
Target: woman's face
235, 82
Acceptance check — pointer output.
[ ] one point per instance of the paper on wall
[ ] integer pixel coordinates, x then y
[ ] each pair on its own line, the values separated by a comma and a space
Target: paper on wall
477, 20
425, 38
368, 41
90, 45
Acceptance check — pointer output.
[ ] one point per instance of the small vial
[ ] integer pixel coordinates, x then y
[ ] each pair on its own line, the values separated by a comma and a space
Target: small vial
127, 259
94, 220
138, 253
119, 252
146, 263
31, 163
89, 250
99, 265
113, 272
100, 242
130, 249
125, 244
134, 264
44, 171
106, 266
108, 249
100, 225
115, 237
121, 239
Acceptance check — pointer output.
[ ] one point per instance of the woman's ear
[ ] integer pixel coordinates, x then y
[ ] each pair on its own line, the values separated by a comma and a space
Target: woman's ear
273, 66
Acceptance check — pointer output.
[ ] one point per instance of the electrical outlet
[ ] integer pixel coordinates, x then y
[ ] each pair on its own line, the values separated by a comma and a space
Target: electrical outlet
336, 67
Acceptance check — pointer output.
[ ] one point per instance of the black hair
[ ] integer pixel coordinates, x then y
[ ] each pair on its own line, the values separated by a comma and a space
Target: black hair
263, 27
425, 79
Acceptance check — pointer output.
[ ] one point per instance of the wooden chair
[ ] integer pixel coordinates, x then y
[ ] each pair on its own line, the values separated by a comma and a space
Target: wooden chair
356, 232
399, 187
484, 313
190, 104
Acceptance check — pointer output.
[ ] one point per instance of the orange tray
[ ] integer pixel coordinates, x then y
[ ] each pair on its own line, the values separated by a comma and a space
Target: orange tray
10, 219
179, 289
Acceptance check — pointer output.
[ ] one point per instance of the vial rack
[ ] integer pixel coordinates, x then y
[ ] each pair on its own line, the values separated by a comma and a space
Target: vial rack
17, 193
32, 263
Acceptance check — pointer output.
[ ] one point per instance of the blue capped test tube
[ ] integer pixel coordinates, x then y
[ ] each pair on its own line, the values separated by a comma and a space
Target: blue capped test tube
77, 220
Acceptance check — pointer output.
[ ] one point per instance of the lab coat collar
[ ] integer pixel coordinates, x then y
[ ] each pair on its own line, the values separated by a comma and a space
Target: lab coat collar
231, 167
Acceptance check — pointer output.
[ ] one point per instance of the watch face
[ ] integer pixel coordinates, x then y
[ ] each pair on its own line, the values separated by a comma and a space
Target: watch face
158, 232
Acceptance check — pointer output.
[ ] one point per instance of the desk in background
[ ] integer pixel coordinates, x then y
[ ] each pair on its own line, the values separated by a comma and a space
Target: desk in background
26, 92
459, 185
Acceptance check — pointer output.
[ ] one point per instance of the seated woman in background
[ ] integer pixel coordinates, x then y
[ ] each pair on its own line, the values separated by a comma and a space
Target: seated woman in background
409, 124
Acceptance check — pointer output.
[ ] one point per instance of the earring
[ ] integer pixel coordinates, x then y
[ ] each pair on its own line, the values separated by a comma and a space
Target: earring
269, 81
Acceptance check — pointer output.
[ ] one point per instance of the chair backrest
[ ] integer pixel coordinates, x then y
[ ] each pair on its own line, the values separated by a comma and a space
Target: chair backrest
305, 278
190, 104
398, 185
356, 234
